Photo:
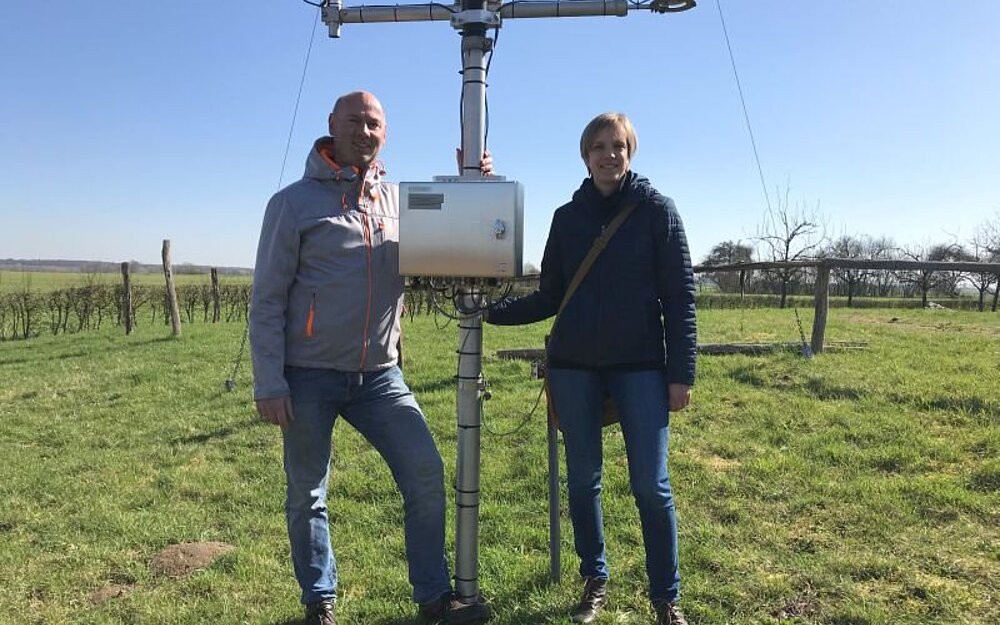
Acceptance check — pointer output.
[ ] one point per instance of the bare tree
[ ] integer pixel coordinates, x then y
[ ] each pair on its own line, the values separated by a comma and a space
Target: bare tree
850, 246
950, 281
727, 253
985, 247
788, 234
883, 281
927, 280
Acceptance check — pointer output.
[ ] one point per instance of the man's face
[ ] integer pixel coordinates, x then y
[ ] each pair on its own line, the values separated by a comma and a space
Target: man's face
358, 125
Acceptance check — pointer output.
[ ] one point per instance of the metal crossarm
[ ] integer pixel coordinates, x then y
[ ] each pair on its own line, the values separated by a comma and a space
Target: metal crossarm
335, 13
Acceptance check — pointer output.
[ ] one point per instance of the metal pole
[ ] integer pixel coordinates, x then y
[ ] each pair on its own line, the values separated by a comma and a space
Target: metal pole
470, 341
475, 45
554, 523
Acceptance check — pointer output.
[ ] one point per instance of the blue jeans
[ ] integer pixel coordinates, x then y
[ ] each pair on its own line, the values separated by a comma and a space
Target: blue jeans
381, 407
642, 402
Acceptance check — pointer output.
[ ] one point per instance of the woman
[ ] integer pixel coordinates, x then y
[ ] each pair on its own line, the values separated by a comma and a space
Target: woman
628, 331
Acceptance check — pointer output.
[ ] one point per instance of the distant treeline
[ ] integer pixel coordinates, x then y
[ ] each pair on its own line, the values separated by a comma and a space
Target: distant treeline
100, 267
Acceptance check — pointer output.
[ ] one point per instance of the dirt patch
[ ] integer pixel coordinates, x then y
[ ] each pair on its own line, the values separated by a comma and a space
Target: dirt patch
805, 605
713, 461
185, 558
109, 592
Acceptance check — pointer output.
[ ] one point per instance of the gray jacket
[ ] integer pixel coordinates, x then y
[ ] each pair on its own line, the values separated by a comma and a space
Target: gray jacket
327, 291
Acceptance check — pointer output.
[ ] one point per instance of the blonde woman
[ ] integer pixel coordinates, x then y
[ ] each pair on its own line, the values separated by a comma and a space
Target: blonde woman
627, 332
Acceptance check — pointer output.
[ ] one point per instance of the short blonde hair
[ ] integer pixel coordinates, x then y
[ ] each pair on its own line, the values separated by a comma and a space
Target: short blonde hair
608, 120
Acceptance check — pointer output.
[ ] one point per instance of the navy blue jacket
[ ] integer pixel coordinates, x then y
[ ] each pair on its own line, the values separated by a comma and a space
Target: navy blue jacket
635, 308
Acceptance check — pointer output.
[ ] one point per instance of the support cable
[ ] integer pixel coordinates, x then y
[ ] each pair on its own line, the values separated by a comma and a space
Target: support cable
298, 96
230, 383
746, 116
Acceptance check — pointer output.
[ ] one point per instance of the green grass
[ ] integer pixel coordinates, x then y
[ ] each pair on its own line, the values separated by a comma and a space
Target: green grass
854, 488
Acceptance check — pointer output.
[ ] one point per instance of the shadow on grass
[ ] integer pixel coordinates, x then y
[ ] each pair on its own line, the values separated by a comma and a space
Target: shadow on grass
519, 595
813, 387
969, 405
219, 434
82, 353
820, 389
431, 386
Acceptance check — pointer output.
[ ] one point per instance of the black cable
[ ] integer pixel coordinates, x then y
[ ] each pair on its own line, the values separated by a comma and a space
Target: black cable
230, 382
519, 426
320, 5
298, 97
486, 75
746, 116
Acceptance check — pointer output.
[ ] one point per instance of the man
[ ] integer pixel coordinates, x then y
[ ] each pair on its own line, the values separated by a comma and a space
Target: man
324, 324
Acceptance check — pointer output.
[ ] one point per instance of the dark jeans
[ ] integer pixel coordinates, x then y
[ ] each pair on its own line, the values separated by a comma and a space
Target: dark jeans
642, 401
381, 407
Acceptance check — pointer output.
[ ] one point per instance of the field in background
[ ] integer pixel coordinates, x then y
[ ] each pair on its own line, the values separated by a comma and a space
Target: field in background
854, 488
42, 281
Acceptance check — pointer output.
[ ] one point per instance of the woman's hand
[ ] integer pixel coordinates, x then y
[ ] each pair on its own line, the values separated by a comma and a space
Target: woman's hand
680, 396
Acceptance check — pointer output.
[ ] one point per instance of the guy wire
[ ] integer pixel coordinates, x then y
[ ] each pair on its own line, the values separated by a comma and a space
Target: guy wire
230, 383
746, 116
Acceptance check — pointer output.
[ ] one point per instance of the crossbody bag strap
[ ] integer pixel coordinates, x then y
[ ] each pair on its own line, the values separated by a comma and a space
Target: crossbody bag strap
595, 250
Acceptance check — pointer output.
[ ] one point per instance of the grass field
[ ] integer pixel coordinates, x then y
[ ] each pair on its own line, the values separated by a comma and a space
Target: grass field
854, 488
42, 281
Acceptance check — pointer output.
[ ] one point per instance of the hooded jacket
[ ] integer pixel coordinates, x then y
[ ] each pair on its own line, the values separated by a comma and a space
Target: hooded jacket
327, 291
635, 308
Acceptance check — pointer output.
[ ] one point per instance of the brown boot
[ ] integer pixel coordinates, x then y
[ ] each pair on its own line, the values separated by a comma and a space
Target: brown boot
320, 613
669, 614
595, 595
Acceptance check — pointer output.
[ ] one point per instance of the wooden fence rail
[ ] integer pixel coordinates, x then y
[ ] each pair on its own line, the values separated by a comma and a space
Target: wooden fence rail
823, 267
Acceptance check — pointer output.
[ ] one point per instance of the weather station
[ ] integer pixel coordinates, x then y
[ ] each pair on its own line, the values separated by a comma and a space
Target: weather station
461, 236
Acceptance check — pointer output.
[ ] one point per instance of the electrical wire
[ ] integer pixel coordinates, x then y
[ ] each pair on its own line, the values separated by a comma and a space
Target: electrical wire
746, 116
230, 382
298, 97
486, 97
518, 427
486, 74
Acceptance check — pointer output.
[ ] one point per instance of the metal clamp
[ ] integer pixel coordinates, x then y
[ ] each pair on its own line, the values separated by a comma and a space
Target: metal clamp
331, 17
490, 19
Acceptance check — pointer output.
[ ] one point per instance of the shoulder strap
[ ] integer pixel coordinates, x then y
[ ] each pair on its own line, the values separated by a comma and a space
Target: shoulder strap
595, 250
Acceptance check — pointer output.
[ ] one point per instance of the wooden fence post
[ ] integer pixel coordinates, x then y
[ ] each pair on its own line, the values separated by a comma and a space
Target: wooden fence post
175, 313
216, 310
126, 309
996, 293
822, 306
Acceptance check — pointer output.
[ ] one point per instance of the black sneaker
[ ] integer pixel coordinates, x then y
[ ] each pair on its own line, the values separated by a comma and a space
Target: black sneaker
320, 613
448, 609
669, 614
595, 595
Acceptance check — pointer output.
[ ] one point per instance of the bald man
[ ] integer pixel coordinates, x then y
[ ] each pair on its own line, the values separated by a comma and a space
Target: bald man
324, 328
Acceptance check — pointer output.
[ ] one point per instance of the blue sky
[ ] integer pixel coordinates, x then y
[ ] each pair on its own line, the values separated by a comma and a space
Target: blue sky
122, 124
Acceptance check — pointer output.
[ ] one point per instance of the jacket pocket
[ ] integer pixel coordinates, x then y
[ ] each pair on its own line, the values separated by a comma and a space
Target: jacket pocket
311, 316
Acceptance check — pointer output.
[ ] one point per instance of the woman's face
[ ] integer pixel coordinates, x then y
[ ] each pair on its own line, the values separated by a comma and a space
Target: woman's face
607, 158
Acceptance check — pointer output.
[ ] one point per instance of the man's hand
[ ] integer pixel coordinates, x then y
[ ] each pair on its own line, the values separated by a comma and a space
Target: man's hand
680, 396
485, 164
276, 410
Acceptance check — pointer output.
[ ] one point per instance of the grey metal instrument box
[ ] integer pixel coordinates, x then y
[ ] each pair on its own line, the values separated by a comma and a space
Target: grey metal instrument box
461, 227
